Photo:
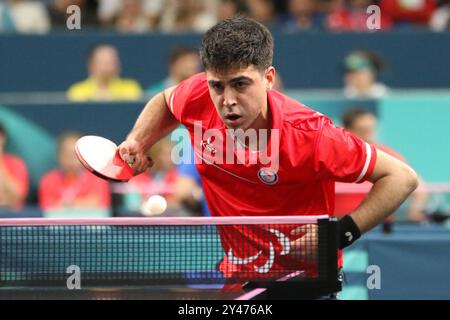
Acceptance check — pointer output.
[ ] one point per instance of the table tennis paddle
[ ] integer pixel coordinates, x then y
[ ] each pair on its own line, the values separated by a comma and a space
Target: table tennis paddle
101, 157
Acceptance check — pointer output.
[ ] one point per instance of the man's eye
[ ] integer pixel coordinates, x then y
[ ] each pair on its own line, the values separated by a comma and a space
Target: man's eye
240, 85
217, 86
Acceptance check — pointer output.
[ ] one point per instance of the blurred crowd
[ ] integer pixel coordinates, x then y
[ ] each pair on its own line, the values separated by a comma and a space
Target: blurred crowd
105, 83
360, 72
137, 16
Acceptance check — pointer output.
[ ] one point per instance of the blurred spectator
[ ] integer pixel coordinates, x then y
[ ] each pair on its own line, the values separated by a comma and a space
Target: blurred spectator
188, 16
58, 12
132, 17
440, 20
408, 12
184, 62
159, 180
326, 6
13, 177
104, 83
150, 10
302, 16
361, 69
23, 16
264, 12
351, 15
70, 186
363, 123
230, 8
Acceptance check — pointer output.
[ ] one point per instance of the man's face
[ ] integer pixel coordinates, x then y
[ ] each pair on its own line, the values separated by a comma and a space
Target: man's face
68, 160
240, 95
365, 127
105, 63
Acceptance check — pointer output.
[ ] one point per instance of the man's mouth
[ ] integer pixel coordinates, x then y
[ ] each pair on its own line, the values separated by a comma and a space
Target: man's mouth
232, 117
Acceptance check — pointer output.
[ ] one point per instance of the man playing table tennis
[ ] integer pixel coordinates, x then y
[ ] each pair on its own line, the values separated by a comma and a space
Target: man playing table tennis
310, 153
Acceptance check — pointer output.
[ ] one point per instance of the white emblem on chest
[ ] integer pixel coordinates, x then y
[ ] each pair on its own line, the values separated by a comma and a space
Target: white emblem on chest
267, 176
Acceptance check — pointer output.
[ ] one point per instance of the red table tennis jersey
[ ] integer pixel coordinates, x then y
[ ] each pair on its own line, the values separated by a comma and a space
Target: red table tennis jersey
312, 155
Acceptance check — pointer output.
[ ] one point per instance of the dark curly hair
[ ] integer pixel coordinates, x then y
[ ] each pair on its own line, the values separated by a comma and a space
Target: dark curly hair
237, 42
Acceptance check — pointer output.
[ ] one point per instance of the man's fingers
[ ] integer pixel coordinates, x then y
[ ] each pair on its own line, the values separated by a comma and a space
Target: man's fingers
306, 228
127, 157
305, 245
125, 153
138, 161
302, 249
141, 164
299, 231
130, 160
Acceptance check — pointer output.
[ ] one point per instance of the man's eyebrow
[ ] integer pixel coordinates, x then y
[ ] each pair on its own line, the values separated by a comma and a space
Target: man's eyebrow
240, 78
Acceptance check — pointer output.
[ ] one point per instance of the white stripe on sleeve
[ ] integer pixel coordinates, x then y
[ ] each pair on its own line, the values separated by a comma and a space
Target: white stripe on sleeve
366, 164
171, 102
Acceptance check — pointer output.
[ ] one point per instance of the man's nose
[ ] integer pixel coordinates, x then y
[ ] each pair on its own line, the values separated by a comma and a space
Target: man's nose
229, 98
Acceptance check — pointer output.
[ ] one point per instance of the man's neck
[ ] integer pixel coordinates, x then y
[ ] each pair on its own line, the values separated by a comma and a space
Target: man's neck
262, 122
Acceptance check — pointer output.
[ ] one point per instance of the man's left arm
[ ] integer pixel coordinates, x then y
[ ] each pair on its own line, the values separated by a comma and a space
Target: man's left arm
393, 181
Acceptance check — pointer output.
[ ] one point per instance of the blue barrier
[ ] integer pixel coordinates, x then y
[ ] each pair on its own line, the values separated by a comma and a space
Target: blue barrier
305, 60
412, 263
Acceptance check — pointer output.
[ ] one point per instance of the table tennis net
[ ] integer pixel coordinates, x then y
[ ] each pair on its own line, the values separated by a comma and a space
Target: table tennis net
165, 250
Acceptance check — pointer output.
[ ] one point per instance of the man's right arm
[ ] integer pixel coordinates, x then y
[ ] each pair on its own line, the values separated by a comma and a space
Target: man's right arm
154, 123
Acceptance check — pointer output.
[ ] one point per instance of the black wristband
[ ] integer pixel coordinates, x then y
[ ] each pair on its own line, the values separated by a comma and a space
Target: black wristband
348, 232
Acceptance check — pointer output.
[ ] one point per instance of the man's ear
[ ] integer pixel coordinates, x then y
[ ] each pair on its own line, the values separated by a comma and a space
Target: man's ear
269, 76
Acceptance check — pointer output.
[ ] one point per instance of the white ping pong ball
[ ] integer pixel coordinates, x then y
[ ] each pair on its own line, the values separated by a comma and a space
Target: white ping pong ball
154, 205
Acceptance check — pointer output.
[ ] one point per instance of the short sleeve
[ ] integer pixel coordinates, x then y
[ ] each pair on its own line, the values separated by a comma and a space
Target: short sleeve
341, 156
186, 96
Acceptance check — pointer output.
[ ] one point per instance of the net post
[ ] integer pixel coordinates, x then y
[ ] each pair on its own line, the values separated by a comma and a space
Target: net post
328, 253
